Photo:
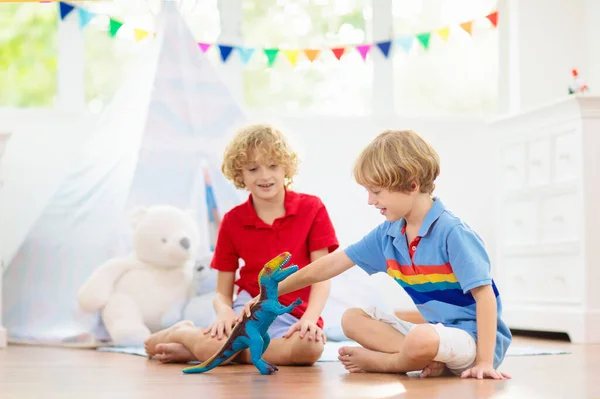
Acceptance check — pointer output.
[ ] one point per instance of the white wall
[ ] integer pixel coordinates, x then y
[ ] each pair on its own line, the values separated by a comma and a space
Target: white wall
591, 20
328, 147
540, 42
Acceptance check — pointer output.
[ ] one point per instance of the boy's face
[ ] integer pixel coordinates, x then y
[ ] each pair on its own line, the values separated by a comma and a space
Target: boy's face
263, 178
394, 205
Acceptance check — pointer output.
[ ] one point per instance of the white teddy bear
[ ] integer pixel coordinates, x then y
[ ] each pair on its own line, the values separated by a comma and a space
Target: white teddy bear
135, 293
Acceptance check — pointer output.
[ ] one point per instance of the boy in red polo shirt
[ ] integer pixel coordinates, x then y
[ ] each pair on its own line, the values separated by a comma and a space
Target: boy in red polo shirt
273, 220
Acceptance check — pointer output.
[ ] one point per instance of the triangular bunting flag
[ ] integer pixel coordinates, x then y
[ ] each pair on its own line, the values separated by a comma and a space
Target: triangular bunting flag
291, 55
84, 17
467, 26
204, 47
338, 52
245, 54
424, 39
65, 9
405, 42
140, 34
444, 33
311, 54
384, 47
493, 18
225, 51
363, 49
114, 27
271, 54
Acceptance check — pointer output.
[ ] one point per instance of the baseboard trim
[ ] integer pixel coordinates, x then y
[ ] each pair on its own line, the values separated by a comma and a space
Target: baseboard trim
411, 317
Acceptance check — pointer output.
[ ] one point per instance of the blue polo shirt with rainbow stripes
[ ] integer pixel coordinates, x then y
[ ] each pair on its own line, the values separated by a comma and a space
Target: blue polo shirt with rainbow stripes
438, 269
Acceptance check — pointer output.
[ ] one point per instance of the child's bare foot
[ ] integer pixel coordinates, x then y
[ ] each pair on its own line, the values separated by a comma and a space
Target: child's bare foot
434, 369
162, 336
359, 359
173, 353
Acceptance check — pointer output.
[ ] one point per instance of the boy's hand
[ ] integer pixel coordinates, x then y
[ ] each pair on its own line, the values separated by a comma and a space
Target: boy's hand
222, 327
481, 371
307, 328
247, 307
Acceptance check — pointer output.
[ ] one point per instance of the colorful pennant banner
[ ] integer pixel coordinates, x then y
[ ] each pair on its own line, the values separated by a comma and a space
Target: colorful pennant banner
405, 43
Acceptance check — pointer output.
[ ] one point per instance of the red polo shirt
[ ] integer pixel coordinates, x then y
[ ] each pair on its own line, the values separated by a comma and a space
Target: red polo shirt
305, 228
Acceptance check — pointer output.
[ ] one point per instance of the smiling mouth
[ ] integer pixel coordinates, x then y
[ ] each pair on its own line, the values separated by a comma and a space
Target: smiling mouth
266, 185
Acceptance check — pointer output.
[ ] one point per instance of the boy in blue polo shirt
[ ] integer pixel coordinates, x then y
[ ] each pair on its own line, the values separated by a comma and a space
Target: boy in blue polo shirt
438, 260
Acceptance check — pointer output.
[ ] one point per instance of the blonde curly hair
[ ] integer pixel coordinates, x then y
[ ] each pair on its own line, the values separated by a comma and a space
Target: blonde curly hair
264, 143
395, 160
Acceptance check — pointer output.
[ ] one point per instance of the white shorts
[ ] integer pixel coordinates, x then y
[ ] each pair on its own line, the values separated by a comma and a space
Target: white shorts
457, 347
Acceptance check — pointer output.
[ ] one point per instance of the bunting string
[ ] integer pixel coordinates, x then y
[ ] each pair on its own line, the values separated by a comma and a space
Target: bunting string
403, 43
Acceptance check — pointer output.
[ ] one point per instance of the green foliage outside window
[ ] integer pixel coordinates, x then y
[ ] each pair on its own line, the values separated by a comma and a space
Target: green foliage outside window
28, 74
294, 25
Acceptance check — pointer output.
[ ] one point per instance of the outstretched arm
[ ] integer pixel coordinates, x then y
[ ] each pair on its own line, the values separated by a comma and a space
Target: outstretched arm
322, 269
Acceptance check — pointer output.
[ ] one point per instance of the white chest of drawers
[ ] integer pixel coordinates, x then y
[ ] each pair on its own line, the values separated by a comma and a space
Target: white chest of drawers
3, 336
548, 218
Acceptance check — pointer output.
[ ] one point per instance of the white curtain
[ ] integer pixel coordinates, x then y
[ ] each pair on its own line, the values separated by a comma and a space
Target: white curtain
156, 142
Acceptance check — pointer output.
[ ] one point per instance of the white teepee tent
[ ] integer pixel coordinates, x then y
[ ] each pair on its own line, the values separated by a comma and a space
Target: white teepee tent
156, 143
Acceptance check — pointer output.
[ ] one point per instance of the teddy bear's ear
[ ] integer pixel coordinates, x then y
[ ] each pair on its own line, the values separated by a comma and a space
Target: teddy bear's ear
137, 215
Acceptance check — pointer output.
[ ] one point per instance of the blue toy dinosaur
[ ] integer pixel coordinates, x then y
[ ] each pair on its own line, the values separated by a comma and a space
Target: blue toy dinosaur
251, 332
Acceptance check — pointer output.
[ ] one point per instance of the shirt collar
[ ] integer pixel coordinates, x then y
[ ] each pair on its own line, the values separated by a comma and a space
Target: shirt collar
291, 203
396, 228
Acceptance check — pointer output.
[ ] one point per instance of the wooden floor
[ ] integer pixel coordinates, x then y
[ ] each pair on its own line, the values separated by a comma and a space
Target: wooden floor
42, 373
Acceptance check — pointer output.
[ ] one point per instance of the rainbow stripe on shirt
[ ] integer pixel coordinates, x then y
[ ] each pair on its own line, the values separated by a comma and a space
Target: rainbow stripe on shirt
429, 283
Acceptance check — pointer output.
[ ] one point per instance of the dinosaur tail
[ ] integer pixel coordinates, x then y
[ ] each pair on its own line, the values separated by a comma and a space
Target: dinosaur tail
214, 361
228, 350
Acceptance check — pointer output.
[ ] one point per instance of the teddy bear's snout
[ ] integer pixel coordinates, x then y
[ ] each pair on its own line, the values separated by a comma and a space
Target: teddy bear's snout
185, 243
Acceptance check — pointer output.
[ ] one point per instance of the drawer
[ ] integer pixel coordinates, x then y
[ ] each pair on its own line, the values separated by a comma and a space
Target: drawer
519, 223
552, 279
567, 156
538, 162
560, 218
513, 167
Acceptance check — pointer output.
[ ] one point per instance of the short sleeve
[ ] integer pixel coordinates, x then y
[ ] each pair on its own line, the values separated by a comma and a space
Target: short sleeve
368, 252
468, 257
225, 257
322, 234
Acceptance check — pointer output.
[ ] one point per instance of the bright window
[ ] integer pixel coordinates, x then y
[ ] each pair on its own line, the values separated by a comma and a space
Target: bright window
326, 85
28, 46
454, 77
